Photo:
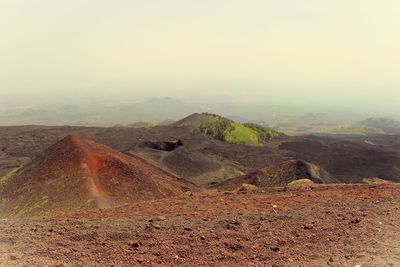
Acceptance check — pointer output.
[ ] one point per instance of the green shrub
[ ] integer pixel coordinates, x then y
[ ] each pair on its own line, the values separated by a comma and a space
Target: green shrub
218, 128
265, 134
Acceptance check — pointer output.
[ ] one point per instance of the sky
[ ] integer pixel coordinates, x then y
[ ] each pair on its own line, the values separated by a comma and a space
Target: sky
308, 52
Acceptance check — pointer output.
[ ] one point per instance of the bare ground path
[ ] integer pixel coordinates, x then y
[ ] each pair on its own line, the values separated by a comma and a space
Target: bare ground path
341, 225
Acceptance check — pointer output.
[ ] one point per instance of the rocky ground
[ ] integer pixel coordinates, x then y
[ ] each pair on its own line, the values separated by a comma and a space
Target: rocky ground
336, 225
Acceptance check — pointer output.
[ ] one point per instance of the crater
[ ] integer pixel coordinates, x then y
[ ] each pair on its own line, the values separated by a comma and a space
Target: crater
164, 145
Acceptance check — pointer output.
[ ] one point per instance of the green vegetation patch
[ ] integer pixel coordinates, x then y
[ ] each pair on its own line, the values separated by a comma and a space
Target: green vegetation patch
218, 128
233, 132
241, 134
264, 134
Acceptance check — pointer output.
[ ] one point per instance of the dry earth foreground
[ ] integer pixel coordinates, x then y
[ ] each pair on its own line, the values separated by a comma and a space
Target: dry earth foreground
317, 225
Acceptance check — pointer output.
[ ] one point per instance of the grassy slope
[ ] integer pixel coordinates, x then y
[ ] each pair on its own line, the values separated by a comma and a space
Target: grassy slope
237, 133
241, 135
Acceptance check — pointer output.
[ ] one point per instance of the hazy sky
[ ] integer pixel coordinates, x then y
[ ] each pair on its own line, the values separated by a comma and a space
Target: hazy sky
295, 50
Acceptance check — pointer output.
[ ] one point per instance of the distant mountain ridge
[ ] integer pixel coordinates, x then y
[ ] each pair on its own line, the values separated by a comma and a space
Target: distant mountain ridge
389, 126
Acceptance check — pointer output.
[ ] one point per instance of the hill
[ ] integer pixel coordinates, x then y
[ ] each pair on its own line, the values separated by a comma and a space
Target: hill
166, 122
389, 126
77, 173
237, 133
140, 124
196, 119
277, 175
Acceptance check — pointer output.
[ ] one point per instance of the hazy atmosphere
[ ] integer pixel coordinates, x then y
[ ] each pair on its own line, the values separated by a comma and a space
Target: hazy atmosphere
199, 133
310, 56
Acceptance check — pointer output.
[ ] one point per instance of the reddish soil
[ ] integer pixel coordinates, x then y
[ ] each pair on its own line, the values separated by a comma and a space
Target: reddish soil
318, 225
77, 173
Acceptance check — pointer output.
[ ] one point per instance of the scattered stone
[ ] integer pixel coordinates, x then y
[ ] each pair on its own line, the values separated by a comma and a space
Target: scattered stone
232, 224
308, 226
330, 259
176, 257
157, 227
301, 182
13, 257
133, 245
275, 249
233, 246
157, 253
355, 221
188, 229
161, 218
247, 188
202, 237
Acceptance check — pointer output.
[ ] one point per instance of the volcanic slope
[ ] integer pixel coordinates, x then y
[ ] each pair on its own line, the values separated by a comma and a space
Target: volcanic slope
78, 174
279, 175
196, 120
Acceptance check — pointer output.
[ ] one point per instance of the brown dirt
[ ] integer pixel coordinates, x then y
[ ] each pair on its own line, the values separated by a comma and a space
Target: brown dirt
318, 225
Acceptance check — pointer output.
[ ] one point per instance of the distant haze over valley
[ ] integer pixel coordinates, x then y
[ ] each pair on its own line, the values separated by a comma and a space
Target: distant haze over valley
102, 111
